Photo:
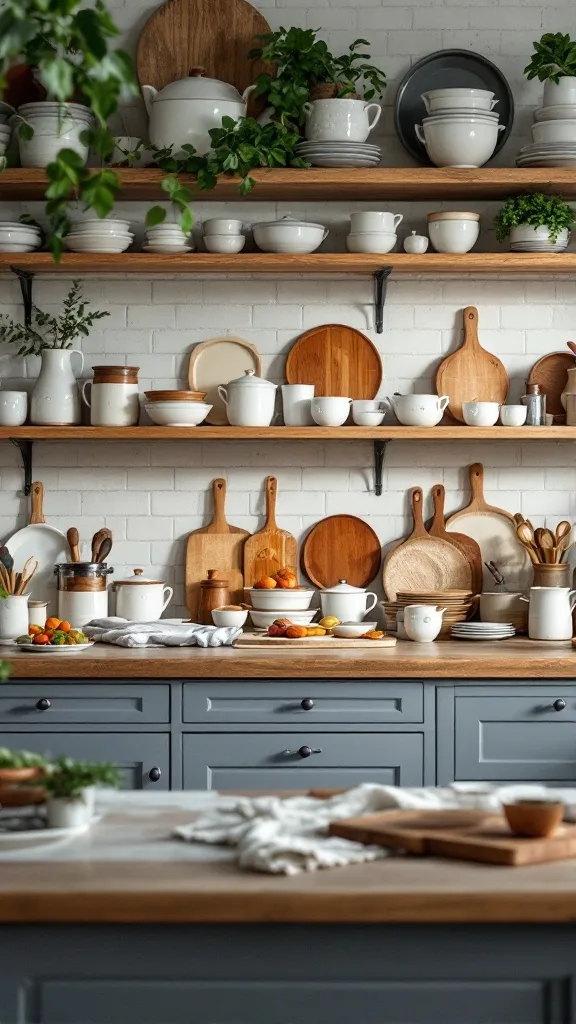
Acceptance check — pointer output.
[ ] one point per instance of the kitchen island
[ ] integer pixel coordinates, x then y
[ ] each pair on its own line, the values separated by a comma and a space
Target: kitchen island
129, 926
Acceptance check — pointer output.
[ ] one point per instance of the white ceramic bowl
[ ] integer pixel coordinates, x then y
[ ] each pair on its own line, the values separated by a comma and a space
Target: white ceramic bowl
177, 414
106, 244
419, 410
23, 235
261, 620
164, 230
559, 112
480, 414
371, 241
329, 411
453, 235
290, 237
17, 246
50, 108
280, 600
222, 226
228, 617
463, 112
467, 143
476, 99
224, 243
94, 225
554, 131
368, 419
513, 415
352, 630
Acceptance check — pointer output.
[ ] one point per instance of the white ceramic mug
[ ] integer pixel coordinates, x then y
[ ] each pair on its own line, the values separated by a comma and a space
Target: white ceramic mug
296, 400
550, 613
480, 414
330, 411
13, 408
513, 415
13, 616
112, 405
340, 120
423, 622
374, 220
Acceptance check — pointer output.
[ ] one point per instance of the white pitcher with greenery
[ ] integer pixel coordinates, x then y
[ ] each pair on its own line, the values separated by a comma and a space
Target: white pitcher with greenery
55, 398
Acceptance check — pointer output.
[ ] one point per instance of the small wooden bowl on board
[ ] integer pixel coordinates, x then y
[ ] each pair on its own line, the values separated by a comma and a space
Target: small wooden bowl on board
537, 819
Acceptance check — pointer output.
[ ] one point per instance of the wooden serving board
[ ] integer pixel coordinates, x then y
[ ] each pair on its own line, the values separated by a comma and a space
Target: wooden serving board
471, 374
217, 546
341, 548
460, 540
551, 373
218, 361
479, 837
272, 548
337, 360
327, 643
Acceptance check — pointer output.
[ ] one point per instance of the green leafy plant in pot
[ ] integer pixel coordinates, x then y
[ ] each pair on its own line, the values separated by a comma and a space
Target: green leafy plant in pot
70, 787
554, 63
521, 216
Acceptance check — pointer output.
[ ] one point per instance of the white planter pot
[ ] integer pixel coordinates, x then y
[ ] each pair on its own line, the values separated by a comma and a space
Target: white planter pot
71, 812
186, 110
13, 617
56, 398
562, 92
526, 233
51, 134
340, 120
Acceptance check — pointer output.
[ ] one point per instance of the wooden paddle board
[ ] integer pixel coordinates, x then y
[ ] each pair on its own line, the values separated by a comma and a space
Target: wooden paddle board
272, 548
464, 543
217, 546
321, 643
471, 374
337, 360
341, 548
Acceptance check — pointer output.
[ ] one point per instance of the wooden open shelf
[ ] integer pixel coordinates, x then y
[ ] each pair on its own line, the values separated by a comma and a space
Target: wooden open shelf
340, 183
352, 433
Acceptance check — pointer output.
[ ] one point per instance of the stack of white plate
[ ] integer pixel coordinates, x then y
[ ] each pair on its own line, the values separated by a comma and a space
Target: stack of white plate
482, 630
17, 237
547, 154
99, 236
167, 239
340, 154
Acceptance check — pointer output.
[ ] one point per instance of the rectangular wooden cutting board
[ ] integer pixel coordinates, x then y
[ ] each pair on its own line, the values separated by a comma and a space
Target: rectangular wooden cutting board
217, 546
326, 643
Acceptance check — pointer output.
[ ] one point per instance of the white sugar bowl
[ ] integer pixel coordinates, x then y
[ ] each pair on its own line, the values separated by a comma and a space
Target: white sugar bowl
140, 599
416, 244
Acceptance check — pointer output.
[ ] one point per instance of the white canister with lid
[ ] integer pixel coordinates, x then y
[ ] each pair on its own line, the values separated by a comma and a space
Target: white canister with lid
347, 603
249, 400
140, 599
80, 607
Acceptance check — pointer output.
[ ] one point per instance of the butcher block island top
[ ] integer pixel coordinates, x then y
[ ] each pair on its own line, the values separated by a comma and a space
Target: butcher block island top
519, 658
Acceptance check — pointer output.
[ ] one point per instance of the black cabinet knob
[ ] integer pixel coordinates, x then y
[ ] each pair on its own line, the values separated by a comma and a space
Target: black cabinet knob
307, 704
559, 704
305, 751
43, 704
154, 774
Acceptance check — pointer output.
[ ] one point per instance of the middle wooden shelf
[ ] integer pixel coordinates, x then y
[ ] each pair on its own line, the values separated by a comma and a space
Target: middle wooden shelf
227, 433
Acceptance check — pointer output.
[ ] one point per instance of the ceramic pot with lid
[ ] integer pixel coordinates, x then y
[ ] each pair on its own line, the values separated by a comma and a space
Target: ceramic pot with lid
141, 599
249, 400
186, 110
214, 593
347, 603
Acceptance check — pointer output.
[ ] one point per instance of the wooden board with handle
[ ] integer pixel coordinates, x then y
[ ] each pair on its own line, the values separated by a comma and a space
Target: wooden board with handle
551, 373
471, 374
43, 542
337, 360
341, 547
464, 543
479, 837
494, 530
422, 562
216, 546
272, 548
326, 643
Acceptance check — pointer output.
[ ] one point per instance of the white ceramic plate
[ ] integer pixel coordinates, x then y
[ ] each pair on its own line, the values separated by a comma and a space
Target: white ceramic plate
39, 836
325, 161
168, 250
557, 112
48, 649
49, 546
217, 361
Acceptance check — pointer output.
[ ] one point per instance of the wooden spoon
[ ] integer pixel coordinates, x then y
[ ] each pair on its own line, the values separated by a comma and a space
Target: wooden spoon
545, 540
73, 538
97, 541
563, 538
104, 550
525, 535
572, 346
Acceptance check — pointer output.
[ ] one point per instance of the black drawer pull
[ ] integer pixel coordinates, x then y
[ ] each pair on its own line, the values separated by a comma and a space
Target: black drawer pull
307, 704
154, 774
305, 751
559, 704
43, 704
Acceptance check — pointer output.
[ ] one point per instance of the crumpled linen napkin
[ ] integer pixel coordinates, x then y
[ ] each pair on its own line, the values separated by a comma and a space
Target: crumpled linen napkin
125, 633
289, 836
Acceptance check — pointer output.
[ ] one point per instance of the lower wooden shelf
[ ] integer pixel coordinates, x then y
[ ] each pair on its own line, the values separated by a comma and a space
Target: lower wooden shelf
352, 433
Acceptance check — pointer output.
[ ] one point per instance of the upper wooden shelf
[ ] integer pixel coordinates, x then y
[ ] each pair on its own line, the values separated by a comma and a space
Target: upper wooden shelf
206, 433
271, 263
340, 183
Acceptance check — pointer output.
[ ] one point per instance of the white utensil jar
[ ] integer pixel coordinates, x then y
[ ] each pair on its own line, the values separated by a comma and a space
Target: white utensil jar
78, 608
112, 405
249, 400
550, 613
340, 120
13, 617
140, 599
296, 399
347, 603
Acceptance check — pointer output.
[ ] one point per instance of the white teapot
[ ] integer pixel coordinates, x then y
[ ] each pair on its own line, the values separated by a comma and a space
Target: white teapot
347, 603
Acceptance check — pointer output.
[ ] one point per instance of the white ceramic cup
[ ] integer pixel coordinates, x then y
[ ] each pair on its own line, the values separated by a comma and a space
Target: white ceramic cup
480, 414
422, 622
112, 405
513, 415
224, 243
330, 411
13, 616
296, 399
374, 220
222, 226
13, 408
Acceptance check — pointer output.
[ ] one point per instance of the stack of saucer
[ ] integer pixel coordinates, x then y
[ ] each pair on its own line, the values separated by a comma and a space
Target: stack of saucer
339, 154
547, 154
99, 235
482, 631
524, 238
168, 239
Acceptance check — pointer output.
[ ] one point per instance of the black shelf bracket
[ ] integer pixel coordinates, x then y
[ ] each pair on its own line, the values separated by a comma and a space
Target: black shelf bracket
380, 447
25, 448
380, 286
26, 278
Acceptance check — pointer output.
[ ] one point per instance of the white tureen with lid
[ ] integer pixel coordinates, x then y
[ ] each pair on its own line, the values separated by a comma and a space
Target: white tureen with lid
249, 400
346, 602
288, 235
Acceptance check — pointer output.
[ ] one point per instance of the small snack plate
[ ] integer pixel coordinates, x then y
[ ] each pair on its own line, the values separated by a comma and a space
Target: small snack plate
26, 838
52, 649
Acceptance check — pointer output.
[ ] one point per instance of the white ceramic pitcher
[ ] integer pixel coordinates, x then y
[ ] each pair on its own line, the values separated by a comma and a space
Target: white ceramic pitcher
56, 398
550, 613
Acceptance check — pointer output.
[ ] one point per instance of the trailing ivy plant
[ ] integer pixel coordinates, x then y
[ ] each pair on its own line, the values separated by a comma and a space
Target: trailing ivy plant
51, 332
554, 58
536, 210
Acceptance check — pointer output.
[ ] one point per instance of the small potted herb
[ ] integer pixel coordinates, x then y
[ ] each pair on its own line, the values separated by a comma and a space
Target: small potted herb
536, 219
554, 63
70, 786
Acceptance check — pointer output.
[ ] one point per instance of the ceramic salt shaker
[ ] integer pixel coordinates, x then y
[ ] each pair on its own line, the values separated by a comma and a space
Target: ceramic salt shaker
416, 244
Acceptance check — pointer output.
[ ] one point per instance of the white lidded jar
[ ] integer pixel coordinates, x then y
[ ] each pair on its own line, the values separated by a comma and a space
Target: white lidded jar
347, 603
141, 599
249, 400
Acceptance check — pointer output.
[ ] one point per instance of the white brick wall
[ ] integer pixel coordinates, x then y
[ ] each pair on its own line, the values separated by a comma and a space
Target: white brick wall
153, 495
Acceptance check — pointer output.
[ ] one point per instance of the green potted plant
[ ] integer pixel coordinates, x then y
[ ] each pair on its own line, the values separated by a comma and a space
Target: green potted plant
554, 63
55, 398
535, 219
70, 787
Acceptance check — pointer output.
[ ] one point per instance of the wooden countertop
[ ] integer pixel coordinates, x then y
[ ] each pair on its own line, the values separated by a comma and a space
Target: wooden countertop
519, 658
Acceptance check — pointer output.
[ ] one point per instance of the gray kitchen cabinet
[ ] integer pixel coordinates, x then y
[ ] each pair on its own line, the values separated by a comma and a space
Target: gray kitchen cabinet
276, 760
45, 703
139, 756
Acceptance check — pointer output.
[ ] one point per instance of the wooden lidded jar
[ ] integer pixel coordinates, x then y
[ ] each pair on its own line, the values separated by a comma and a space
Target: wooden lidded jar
114, 399
214, 593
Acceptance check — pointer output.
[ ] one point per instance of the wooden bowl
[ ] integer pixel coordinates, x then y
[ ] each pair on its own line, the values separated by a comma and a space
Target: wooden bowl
534, 818
13, 793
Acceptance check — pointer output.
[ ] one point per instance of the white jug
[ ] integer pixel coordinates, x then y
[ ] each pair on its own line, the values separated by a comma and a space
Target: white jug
55, 397
13, 616
550, 613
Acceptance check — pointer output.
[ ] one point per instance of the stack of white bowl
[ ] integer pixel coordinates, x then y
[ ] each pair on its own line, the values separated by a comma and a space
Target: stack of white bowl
172, 408
56, 126
5, 133
17, 237
223, 235
99, 236
373, 231
461, 129
553, 132
168, 239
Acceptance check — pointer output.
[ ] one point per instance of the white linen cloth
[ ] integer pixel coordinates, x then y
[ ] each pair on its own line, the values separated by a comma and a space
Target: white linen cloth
125, 633
288, 836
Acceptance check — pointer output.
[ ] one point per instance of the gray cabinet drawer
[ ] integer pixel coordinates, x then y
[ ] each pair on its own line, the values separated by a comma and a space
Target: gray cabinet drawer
134, 753
260, 761
76, 704
517, 735
280, 703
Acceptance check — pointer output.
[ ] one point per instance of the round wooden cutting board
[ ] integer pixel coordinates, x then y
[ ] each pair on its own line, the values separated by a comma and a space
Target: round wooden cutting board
551, 373
341, 548
337, 360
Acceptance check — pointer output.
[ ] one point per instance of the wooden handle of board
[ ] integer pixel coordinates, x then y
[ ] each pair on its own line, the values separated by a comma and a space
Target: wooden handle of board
271, 491
471, 327
37, 500
417, 500
438, 523
477, 485
219, 492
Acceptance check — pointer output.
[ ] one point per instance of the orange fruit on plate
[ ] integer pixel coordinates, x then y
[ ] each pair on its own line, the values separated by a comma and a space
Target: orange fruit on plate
41, 639
266, 583
34, 630
52, 623
65, 626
